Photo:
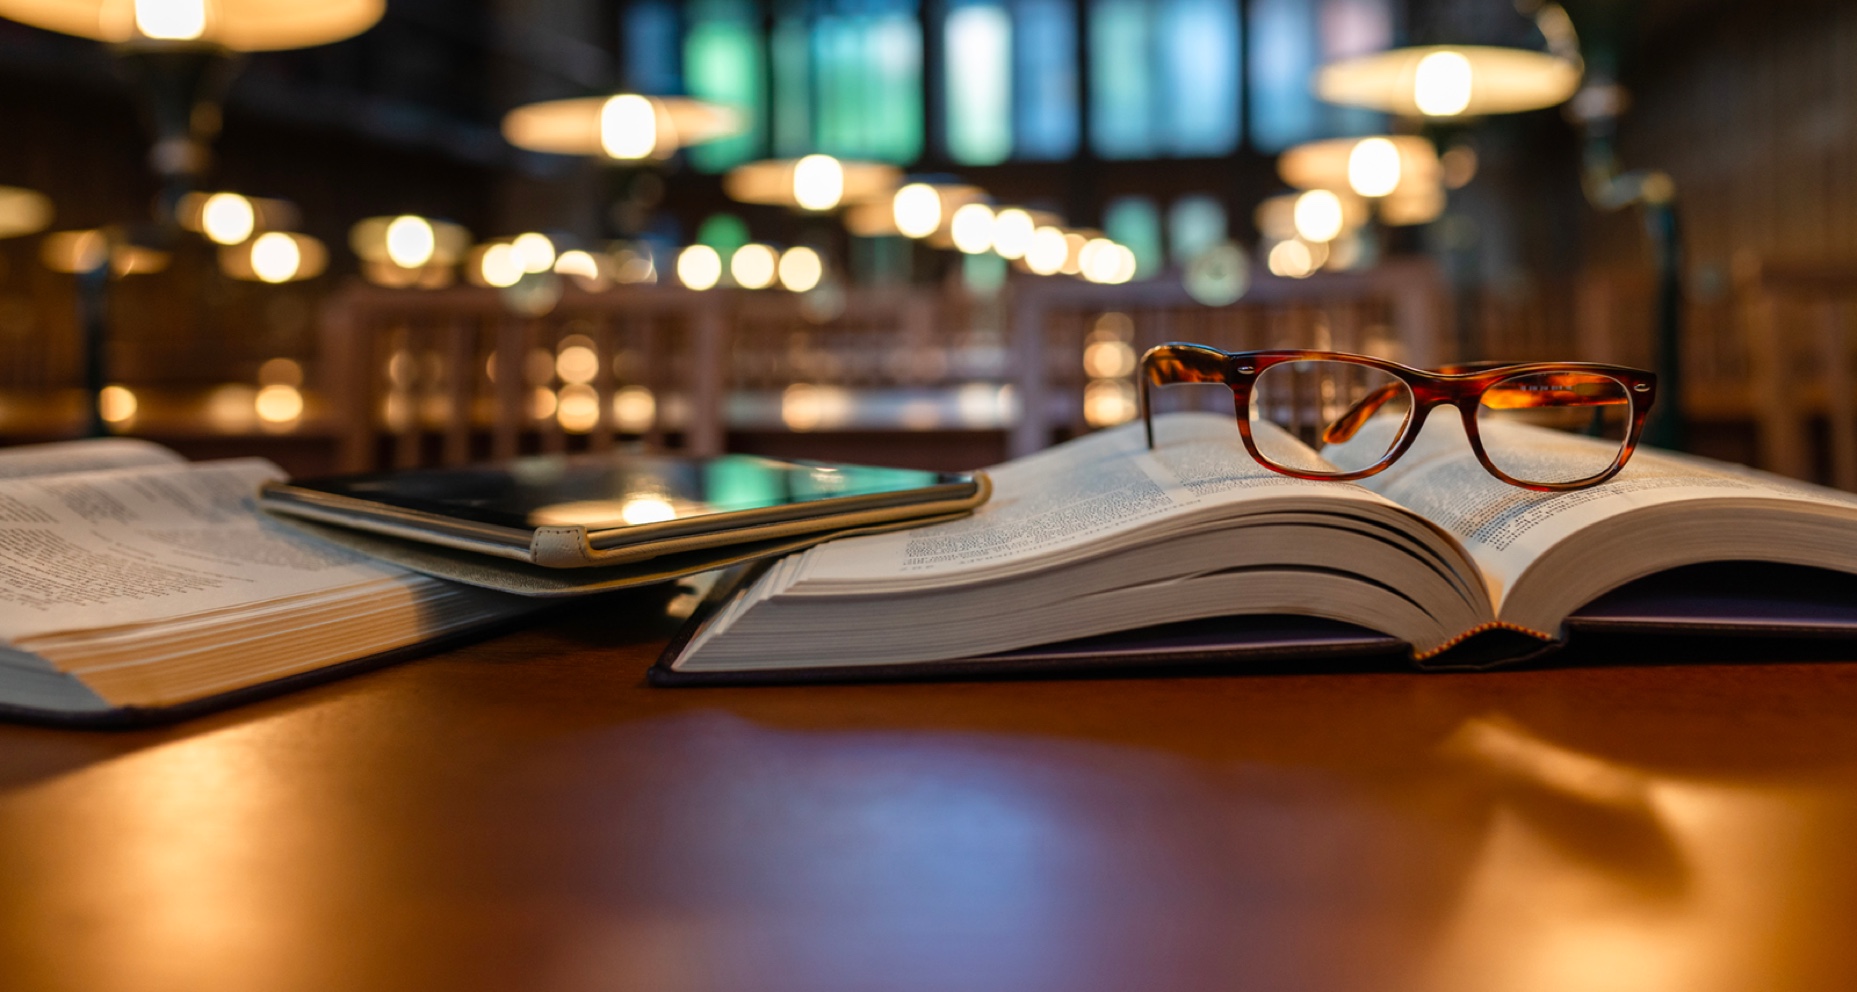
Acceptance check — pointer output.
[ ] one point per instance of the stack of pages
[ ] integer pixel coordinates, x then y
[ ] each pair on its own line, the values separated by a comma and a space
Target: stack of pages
131, 579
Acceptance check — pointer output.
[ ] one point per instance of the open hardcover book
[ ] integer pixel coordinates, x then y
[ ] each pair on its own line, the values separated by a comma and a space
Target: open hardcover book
1101, 535
132, 580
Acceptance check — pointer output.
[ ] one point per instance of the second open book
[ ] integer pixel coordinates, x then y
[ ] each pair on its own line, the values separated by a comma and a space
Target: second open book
1102, 535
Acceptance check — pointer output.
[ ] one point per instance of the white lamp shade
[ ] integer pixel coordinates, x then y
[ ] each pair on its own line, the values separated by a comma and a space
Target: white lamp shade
1324, 164
773, 181
574, 127
1500, 80
243, 25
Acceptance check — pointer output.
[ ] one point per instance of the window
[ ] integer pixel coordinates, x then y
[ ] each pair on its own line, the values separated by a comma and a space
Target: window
1045, 79
1164, 78
651, 48
722, 55
1290, 40
978, 41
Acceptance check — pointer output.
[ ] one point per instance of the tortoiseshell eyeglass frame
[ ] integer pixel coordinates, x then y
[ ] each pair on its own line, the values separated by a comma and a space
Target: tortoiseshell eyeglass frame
1460, 386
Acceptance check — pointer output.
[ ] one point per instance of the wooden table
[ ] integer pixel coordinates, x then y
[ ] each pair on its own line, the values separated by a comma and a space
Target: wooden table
525, 814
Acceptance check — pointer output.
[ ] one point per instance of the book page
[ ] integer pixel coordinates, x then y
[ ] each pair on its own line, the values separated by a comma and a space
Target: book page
1073, 497
103, 549
1506, 528
95, 454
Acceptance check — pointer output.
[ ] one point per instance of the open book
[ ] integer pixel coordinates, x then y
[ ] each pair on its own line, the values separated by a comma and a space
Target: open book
1102, 535
131, 579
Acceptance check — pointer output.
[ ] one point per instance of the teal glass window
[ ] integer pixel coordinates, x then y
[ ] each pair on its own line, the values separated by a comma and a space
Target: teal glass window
723, 62
977, 39
867, 70
1044, 82
1164, 78
1290, 39
651, 47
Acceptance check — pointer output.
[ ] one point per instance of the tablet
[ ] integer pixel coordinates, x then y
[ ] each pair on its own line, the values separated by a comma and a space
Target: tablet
580, 510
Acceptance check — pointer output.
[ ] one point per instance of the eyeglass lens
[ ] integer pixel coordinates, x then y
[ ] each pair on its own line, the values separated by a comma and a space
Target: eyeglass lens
1589, 417
1351, 413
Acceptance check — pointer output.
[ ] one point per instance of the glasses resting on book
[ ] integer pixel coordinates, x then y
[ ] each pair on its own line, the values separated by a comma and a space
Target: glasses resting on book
1362, 413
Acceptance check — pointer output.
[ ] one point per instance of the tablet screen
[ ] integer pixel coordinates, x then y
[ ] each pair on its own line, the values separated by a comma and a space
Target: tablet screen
609, 491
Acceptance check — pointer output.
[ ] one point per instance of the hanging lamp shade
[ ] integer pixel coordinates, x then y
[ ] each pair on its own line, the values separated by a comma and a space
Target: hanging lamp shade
1373, 166
241, 25
1451, 80
816, 183
625, 126
23, 211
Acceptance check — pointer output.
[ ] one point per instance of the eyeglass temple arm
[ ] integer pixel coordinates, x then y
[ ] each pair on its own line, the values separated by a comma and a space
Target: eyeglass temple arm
1177, 363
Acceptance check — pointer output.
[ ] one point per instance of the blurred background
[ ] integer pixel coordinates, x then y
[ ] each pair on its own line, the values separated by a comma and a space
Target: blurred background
930, 233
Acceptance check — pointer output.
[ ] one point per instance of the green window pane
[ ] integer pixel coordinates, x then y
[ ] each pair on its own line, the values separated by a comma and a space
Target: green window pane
1121, 79
724, 233
978, 40
723, 62
790, 49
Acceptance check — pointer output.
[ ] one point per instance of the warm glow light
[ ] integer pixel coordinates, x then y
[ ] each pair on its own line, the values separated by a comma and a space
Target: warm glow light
801, 269
753, 266
227, 218
23, 211
1107, 402
1318, 215
917, 210
275, 257
647, 510
577, 364
1441, 84
972, 228
1074, 243
577, 263
116, 404
411, 241
806, 407
699, 267
634, 408
577, 409
1047, 251
818, 182
500, 267
278, 404
1108, 359
170, 20
240, 25
1012, 233
1290, 259
1373, 167
542, 403
1450, 81
1104, 261
628, 127
533, 252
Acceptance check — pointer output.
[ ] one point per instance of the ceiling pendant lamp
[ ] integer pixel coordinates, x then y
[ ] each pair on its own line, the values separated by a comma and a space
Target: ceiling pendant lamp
624, 127
1448, 81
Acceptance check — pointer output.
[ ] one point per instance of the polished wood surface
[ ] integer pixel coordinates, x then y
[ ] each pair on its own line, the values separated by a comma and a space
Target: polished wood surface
525, 814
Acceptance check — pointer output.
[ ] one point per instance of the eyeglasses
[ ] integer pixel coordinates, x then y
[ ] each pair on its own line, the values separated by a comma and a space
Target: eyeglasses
1362, 413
